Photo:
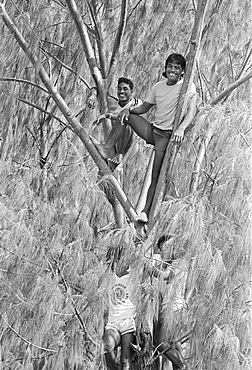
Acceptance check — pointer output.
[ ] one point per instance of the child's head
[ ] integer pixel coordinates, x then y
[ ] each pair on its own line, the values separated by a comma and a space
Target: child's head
169, 248
175, 59
126, 81
125, 90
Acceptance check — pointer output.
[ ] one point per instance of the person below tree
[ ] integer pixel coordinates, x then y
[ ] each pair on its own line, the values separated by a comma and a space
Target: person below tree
120, 289
173, 307
126, 100
164, 95
120, 329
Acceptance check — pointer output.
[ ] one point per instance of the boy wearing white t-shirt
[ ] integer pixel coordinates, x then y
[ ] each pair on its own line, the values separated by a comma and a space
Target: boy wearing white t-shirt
126, 100
164, 95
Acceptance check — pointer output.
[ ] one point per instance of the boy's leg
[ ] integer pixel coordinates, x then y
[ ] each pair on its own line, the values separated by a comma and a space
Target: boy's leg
125, 142
173, 354
140, 125
111, 340
157, 163
162, 139
126, 350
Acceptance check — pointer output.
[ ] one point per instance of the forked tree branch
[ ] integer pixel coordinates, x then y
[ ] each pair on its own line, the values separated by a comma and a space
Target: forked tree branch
85, 40
68, 68
68, 114
99, 40
45, 111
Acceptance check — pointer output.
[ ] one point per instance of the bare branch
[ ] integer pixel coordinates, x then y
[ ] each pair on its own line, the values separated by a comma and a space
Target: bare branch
85, 40
68, 68
20, 257
199, 159
134, 8
99, 40
230, 88
25, 82
119, 34
45, 111
53, 143
28, 342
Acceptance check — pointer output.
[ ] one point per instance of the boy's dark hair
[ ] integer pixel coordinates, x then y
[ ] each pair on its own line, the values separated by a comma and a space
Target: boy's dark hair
127, 81
162, 240
175, 58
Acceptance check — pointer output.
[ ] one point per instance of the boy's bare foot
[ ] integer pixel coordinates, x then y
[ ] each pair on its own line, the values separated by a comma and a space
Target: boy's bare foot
142, 217
100, 147
116, 159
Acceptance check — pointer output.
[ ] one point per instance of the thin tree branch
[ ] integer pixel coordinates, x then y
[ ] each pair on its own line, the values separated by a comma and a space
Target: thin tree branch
68, 68
53, 143
28, 342
84, 328
119, 34
25, 259
199, 159
99, 40
134, 8
55, 43
24, 81
85, 40
230, 88
45, 111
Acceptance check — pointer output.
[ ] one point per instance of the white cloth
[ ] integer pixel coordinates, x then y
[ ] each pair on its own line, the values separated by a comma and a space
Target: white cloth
134, 102
120, 295
166, 97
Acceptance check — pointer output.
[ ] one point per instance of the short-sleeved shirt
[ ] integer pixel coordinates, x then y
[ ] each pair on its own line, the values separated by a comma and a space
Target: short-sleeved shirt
134, 102
166, 97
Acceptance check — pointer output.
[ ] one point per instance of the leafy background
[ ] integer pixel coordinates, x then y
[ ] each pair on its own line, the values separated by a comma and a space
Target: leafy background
56, 224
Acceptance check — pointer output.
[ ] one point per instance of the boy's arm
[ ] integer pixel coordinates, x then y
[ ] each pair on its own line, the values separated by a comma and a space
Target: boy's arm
144, 108
187, 119
157, 271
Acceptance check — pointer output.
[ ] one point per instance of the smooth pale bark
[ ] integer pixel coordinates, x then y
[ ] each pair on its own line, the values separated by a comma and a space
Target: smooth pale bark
170, 155
119, 34
85, 40
230, 88
68, 114
199, 160
146, 184
99, 76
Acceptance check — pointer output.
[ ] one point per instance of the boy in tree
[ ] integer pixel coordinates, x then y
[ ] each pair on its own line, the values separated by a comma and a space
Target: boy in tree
126, 100
121, 327
173, 306
164, 95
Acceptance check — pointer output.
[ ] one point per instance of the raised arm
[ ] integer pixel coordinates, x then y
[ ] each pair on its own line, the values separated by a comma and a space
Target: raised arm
158, 268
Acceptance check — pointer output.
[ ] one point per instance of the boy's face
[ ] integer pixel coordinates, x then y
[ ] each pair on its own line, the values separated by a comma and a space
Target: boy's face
173, 72
166, 249
124, 92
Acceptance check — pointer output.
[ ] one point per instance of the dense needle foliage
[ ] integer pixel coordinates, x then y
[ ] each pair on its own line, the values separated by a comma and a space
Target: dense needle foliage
56, 224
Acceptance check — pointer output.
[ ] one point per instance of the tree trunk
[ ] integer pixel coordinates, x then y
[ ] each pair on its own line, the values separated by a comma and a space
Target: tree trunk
188, 78
70, 117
